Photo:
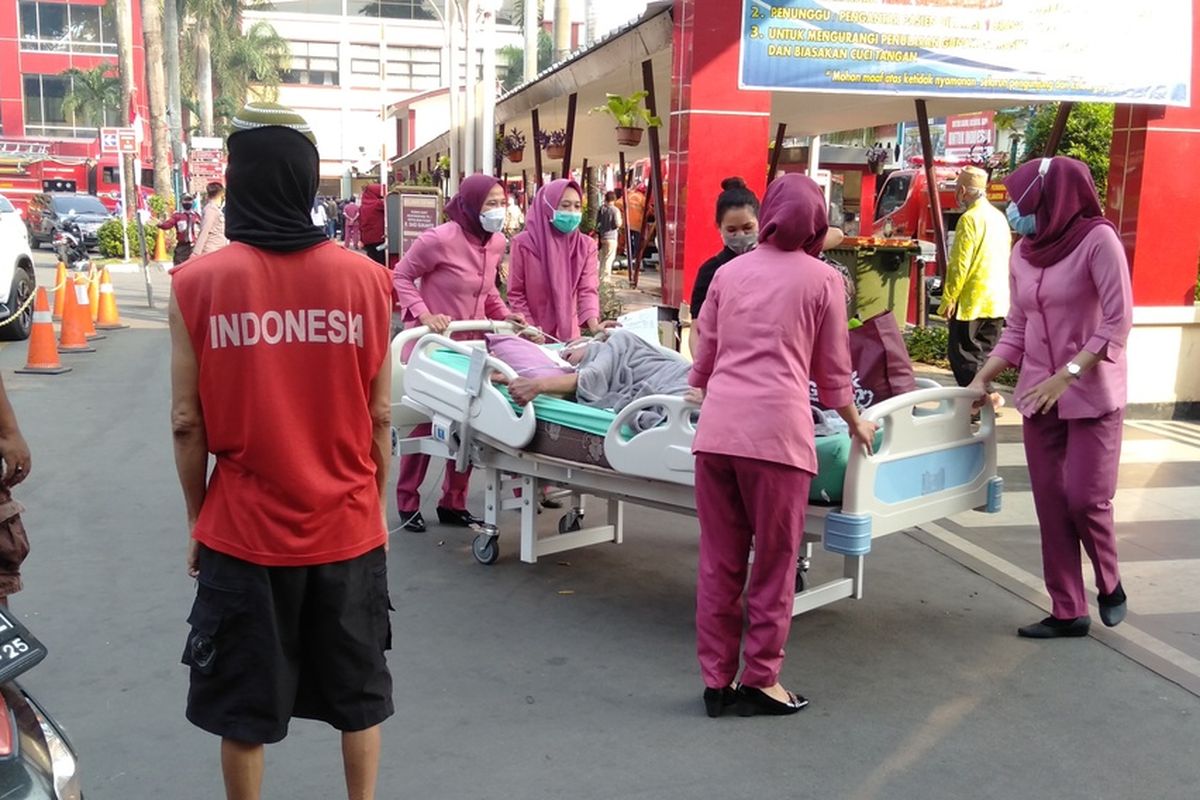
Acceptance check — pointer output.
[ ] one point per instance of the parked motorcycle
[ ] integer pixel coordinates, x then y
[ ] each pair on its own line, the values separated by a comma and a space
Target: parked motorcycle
37, 761
70, 248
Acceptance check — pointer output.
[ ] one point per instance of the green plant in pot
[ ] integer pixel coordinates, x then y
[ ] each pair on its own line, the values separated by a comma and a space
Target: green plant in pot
552, 143
631, 115
512, 144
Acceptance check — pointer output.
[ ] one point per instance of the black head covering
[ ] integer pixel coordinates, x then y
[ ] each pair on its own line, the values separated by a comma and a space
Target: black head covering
271, 182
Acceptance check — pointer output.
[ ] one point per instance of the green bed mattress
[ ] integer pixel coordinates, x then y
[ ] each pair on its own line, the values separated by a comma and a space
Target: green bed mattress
832, 451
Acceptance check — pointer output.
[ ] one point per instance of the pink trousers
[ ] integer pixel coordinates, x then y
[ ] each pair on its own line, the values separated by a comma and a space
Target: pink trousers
740, 500
1073, 466
412, 475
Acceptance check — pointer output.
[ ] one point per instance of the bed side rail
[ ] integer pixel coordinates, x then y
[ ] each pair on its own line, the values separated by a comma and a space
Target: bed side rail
932, 463
663, 453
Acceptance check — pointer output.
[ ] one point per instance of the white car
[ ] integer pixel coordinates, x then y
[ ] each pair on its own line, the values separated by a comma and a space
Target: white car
17, 281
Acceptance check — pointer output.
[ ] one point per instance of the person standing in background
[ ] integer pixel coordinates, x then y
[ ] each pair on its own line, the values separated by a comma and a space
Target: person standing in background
16, 464
371, 227
319, 218
186, 224
553, 279
608, 227
212, 223
737, 219
350, 224
975, 294
332, 215
1071, 313
514, 220
449, 273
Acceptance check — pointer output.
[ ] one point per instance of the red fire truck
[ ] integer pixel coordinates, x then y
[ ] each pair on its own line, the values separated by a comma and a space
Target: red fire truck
27, 168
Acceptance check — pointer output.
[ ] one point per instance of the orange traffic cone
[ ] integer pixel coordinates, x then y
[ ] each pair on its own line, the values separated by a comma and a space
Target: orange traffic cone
43, 356
84, 301
109, 318
93, 290
160, 247
73, 336
60, 286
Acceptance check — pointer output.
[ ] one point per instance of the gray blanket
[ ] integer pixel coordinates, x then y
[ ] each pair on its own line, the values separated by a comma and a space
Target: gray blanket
624, 368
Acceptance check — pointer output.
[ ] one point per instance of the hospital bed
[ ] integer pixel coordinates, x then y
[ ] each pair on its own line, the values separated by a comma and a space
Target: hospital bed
933, 461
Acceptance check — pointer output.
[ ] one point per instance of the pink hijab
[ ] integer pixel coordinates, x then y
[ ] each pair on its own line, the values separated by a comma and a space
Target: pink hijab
560, 257
464, 207
1064, 203
793, 215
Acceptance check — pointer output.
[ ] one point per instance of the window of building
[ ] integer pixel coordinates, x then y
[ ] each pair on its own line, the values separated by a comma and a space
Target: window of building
313, 64
392, 9
44, 115
60, 27
408, 68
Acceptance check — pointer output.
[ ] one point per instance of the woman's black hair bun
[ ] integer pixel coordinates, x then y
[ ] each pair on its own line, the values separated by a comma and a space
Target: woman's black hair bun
732, 183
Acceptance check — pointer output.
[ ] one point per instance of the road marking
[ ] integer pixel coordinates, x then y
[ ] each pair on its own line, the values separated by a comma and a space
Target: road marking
1132, 642
1183, 432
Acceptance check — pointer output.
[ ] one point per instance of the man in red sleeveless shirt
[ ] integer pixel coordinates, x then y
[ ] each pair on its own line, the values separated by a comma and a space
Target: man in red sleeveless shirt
280, 369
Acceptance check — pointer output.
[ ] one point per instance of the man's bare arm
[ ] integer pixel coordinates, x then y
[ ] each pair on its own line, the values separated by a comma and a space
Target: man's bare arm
381, 421
187, 421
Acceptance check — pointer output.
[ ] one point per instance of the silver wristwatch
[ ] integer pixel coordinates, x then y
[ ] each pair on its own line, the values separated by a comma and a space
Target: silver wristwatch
1074, 370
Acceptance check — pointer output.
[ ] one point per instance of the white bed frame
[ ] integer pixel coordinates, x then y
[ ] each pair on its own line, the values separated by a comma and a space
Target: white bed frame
933, 461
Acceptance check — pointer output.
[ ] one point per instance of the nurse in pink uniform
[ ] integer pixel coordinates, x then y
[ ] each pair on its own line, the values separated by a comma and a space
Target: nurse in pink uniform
449, 274
774, 318
1072, 308
554, 278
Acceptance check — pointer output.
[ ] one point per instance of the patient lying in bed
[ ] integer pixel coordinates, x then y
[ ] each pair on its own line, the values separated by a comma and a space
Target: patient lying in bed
611, 371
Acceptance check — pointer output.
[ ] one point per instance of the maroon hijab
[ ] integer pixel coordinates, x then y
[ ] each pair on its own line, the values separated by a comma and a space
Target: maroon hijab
1064, 203
793, 215
464, 207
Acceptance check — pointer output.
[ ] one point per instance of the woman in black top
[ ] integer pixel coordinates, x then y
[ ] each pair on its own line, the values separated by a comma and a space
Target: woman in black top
737, 217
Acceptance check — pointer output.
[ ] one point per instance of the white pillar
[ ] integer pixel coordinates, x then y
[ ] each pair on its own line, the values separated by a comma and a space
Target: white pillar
471, 116
451, 22
531, 40
487, 96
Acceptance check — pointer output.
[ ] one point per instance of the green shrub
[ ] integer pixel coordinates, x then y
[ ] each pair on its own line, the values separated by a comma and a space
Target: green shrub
611, 306
111, 242
928, 346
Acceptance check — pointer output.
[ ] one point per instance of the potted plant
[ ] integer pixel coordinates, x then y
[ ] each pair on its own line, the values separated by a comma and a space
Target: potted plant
877, 156
631, 115
513, 146
553, 143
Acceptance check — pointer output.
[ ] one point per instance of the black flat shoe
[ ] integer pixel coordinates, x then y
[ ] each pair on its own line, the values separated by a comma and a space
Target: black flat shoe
1053, 628
412, 521
1112, 607
457, 518
717, 700
753, 701
551, 503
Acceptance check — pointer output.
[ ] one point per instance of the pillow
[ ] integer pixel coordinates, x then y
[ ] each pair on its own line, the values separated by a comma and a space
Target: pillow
528, 359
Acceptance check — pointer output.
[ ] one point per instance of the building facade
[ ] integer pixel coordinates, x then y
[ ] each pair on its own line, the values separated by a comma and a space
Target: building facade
335, 78
39, 41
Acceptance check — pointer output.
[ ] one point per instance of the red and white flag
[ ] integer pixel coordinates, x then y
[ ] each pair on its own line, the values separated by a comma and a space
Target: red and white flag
135, 119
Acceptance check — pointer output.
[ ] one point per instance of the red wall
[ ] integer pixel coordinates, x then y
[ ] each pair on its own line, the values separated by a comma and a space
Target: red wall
1154, 192
14, 63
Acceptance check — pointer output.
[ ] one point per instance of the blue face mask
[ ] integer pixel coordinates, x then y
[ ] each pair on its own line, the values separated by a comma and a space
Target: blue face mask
567, 221
1024, 225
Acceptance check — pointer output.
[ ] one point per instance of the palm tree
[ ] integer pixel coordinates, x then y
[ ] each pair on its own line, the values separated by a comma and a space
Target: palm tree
91, 94
156, 92
226, 56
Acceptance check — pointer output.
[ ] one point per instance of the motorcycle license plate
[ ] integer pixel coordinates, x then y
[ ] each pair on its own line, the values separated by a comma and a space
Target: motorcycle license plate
19, 650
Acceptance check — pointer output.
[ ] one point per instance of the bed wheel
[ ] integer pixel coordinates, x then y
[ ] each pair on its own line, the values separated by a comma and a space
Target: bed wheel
486, 549
802, 565
570, 521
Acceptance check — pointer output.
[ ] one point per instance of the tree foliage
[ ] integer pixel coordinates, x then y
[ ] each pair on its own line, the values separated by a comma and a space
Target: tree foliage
91, 93
1088, 137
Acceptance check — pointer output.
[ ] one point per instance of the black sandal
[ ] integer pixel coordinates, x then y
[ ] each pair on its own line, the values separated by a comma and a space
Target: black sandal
717, 700
412, 521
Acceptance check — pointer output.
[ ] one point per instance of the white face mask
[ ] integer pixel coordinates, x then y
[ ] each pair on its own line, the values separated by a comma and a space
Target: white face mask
492, 220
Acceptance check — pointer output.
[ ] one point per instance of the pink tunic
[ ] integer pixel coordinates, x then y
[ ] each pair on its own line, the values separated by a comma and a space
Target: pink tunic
772, 320
531, 294
457, 277
1083, 302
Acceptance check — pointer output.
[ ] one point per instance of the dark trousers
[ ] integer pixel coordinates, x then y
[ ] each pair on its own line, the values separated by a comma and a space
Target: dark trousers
183, 251
971, 342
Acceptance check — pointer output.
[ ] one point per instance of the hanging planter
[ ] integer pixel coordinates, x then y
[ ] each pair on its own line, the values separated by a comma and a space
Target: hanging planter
629, 137
630, 115
553, 143
512, 144
877, 157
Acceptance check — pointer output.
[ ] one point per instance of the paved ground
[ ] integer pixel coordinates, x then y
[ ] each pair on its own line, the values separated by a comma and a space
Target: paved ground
576, 678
